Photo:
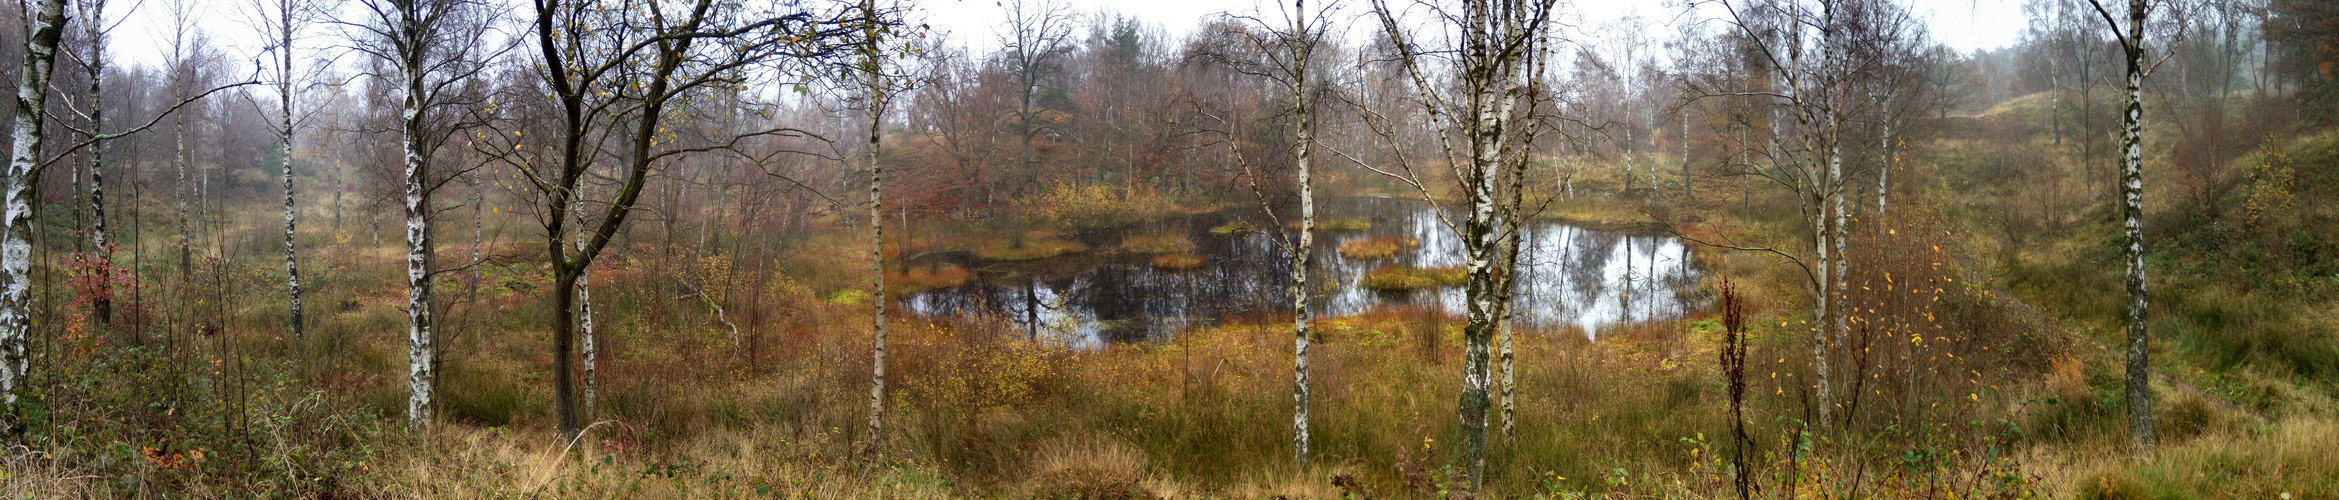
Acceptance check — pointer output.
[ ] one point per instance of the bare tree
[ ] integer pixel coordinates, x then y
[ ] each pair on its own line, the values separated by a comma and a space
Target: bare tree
1038, 35
1486, 138
94, 31
279, 23
434, 47
1808, 153
2140, 431
880, 80
611, 68
47, 19
1287, 56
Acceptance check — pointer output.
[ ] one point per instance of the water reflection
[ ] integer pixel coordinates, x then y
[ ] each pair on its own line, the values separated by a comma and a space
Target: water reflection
1568, 276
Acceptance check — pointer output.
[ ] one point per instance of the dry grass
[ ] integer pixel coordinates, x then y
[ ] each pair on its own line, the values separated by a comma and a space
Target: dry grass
468, 463
1376, 248
1034, 245
1180, 261
922, 278
1336, 224
2253, 461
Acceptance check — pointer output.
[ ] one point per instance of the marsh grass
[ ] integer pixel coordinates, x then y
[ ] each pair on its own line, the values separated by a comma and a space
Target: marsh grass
980, 411
1032, 245
1400, 278
1376, 248
1180, 261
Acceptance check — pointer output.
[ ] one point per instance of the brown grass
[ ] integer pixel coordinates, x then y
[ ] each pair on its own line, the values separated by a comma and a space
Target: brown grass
1180, 261
922, 278
1376, 248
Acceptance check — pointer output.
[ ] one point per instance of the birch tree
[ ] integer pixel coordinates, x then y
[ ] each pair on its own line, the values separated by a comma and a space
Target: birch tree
279, 23
47, 22
94, 31
1814, 79
2131, 38
879, 80
432, 47
1286, 55
1485, 141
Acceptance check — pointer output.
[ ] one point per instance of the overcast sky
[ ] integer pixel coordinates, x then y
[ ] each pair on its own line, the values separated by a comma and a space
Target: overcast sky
1962, 24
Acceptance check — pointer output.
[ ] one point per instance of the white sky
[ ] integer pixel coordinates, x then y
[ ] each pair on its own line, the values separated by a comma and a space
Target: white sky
1965, 25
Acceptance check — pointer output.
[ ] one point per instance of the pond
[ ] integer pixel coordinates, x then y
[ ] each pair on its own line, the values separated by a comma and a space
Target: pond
1569, 276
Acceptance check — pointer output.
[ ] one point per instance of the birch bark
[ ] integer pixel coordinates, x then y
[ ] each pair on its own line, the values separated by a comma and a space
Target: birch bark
873, 67
284, 26
32, 85
2140, 423
1302, 44
421, 320
96, 36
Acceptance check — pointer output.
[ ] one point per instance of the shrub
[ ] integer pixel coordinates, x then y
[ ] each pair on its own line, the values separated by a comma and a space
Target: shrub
1092, 206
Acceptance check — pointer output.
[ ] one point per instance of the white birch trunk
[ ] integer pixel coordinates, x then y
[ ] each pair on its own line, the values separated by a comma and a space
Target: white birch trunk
2139, 387
179, 193
1884, 171
284, 134
873, 67
95, 34
1302, 319
48, 19
588, 353
421, 320
877, 291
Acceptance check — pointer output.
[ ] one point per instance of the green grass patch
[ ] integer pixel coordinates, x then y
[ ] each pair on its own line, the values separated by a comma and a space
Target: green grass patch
1234, 228
1406, 278
1149, 243
1340, 225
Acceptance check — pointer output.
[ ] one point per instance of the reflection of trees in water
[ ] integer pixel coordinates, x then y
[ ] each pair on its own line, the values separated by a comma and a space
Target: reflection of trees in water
1568, 276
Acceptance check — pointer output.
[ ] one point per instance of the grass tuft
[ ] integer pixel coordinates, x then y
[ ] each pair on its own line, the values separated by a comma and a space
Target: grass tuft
1405, 278
1180, 261
1376, 248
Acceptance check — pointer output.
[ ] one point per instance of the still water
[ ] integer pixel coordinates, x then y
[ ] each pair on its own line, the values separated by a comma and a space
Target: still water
1568, 276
